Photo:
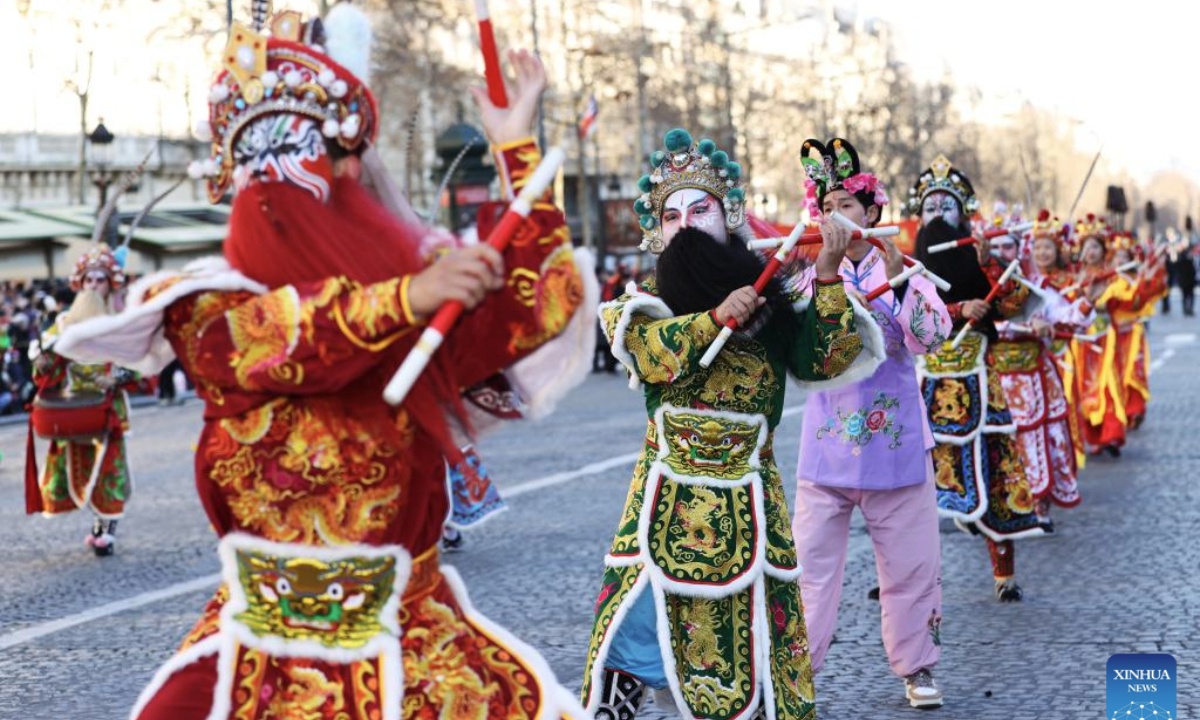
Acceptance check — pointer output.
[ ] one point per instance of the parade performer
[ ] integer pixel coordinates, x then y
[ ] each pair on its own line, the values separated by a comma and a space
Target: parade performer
1051, 253
867, 444
82, 408
1029, 374
700, 592
1131, 306
1051, 265
980, 480
330, 502
1099, 373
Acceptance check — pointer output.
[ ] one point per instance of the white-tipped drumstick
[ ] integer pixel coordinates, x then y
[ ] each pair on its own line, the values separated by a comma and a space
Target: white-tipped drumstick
445, 317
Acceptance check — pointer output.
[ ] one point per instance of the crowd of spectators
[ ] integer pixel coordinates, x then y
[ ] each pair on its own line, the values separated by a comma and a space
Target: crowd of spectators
26, 309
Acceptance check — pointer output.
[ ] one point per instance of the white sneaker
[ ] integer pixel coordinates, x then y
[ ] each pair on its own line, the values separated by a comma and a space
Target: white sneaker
921, 690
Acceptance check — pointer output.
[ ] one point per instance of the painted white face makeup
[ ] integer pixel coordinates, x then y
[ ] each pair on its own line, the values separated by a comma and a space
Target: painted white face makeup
1006, 247
97, 281
693, 208
284, 148
943, 205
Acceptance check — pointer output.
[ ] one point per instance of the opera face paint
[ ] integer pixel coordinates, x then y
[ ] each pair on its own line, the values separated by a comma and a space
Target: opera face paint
943, 205
284, 148
1006, 247
693, 208
97, 281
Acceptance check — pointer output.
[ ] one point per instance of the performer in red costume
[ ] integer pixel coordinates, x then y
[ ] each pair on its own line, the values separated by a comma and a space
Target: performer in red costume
328, 501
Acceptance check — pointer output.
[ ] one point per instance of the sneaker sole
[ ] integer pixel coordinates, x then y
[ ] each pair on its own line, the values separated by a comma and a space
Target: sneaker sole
927, 703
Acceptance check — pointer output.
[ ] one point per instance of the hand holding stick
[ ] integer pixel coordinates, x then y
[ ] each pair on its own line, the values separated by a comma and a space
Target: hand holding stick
448, 314
1008, 272
872, 236
760, 285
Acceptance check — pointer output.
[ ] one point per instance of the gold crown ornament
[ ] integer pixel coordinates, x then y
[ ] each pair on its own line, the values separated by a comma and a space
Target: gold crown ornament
1122, 241
287, 72
687, 164
944, 177
1091, 227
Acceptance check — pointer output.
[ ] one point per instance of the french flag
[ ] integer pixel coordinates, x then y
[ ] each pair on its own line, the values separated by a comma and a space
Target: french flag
588, 119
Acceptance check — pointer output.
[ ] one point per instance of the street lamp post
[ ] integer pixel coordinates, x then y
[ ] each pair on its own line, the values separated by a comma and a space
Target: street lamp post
100, 142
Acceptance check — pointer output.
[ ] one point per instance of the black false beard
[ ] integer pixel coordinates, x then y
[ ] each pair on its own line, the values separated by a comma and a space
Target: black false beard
959, 266
697, 272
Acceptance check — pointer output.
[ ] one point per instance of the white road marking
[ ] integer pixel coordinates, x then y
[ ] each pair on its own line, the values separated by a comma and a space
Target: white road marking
34, 632
1180, 339
1158, 362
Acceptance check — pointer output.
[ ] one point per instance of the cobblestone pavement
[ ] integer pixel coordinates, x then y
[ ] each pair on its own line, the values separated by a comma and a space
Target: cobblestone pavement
1120, 576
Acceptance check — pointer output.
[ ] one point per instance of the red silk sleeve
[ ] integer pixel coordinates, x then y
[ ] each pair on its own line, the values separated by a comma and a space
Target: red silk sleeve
297, 339
542, 288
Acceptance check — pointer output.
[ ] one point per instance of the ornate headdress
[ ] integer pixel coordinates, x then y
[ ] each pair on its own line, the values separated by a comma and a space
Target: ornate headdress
1049, 227
98, 257
944, 177
686, 164
1091, 227
1122, 241
289, 72
835, 166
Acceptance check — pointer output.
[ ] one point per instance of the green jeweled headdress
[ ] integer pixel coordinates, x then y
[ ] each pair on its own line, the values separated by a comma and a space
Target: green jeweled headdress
684, 164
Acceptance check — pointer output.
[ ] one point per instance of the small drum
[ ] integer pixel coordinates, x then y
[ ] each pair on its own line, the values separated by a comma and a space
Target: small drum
79, 417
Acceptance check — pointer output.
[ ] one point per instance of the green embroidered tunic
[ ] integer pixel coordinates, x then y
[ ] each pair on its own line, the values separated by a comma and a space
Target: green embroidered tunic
706, 527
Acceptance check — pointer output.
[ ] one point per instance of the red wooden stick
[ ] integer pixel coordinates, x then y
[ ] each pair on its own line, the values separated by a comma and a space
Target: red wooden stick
491, 56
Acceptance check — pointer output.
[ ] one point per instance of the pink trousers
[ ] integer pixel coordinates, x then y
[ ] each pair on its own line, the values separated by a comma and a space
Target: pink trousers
903, 525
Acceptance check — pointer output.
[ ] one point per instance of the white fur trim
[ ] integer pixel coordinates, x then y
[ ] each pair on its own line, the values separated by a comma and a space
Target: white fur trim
348, 39
69, 449
762, 646
385, 641
545, 376
635, 591
134, 338
611, 560
873, 353
557, 700
637, 302
206, 647
784, 574
668, 655
226, 671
